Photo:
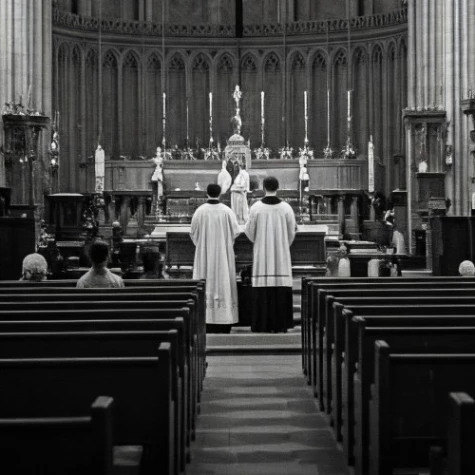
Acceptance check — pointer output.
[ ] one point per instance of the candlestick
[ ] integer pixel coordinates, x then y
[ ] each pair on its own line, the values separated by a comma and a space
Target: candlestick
164, 106
187, 125
211, 118
328, 117
262, 118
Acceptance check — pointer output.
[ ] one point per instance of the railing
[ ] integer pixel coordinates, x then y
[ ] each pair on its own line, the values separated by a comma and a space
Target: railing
131, 27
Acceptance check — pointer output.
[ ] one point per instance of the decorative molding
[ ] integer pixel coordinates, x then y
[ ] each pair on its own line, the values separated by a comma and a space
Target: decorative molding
130, 27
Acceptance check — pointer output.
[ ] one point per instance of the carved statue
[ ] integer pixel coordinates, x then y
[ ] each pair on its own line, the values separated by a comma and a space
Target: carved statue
157, 176
99, 169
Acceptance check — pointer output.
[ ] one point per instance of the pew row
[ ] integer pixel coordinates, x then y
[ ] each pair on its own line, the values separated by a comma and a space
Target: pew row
409, 407
140, 386
59, 445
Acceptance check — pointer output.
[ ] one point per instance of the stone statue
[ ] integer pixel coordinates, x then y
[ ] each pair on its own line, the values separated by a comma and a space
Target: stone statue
157, 176
99, 169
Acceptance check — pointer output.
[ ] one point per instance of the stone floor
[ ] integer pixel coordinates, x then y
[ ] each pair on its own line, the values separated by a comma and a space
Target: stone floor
258, 417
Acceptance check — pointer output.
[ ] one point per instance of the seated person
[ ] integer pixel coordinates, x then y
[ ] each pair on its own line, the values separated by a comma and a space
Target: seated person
35, 268
99, 275
150, 261
467, 269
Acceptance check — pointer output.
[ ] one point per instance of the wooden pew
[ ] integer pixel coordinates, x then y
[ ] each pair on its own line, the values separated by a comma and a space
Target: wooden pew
108, 344
342, 315
350, 282
409, 406
197, 291
176, 310
334, 339
460, 440
60, 445
316, 307
414, 334
140, 386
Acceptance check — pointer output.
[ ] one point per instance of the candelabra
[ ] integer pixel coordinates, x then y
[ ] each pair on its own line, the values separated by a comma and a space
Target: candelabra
286, 153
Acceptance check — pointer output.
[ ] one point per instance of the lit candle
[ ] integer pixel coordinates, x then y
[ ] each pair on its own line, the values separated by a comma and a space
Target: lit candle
305, 102
164, 104
211, 104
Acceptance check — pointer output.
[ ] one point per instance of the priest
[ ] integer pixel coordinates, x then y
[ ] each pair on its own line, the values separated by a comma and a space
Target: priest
213, 230
271, 227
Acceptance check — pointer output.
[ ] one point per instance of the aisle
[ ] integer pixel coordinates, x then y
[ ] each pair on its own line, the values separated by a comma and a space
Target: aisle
259, 417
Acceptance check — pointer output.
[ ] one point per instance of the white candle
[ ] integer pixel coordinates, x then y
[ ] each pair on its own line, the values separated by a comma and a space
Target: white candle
349, 101
211, 104
305, 102
262, 104
328, 117
164, 105
371, 165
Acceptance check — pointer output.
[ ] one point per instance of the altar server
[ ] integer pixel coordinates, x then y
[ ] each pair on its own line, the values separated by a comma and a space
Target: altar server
272, 228
213, 230
224, 178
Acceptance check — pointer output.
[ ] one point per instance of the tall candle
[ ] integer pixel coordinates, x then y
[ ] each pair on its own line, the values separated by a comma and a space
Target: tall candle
370, 165
211, 104
349, 107
305, 102
328, 117
262, 105
164, 104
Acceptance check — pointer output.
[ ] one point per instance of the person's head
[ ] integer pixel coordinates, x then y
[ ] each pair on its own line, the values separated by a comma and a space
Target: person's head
466, 268
99, 253
213, 191
34, 267
271, 185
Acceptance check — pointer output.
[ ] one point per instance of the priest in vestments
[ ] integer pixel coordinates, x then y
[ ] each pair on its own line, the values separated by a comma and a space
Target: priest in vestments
213, 230
272, 228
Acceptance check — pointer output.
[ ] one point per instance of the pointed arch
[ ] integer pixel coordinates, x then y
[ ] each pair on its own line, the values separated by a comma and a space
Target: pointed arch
224, 105
251, 82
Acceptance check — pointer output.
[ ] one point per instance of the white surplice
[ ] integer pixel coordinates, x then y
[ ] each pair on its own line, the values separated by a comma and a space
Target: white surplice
272, 229
213, 230
239, 197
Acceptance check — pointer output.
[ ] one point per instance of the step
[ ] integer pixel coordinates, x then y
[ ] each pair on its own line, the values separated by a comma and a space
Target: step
254, 349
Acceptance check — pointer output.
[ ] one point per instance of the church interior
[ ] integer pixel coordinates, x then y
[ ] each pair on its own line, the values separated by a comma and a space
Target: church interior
115, 117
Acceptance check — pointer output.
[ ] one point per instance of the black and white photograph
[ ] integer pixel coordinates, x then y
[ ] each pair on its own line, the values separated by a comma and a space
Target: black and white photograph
236, 237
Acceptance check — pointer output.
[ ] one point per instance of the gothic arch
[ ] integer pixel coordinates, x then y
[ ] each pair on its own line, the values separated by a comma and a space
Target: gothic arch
249, 62
271, 62
318, 57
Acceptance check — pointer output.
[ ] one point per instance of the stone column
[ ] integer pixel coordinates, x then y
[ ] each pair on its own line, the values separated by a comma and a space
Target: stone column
148, 10
84, 8
26, 67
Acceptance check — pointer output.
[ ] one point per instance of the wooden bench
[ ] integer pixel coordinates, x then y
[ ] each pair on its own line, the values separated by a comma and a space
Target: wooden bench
197, 293
460, 456
405, 423
117, 315
65, 387
310, 287
60, 445
341, 317
414, 334
313, 324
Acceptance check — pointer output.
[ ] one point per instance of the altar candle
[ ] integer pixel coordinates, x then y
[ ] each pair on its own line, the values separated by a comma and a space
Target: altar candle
164, 105
328, 116
349, 107
371, 165
305, 102
211, 104
262, 105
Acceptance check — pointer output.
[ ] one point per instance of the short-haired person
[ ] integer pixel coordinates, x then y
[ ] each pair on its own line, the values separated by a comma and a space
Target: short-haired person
214, 228
34, 268
272, 228
99, 275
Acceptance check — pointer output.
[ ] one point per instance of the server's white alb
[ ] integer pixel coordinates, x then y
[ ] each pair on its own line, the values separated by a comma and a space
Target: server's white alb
213, 230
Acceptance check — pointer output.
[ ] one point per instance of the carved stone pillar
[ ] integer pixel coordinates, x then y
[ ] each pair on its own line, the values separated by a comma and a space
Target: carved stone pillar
26, 69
